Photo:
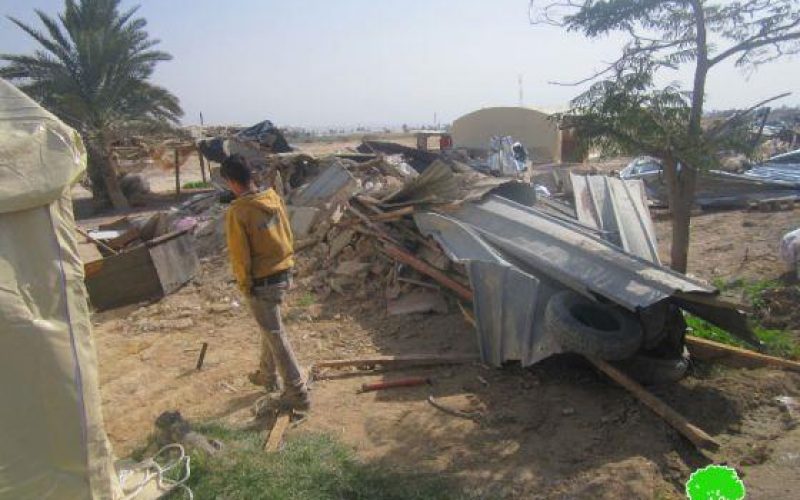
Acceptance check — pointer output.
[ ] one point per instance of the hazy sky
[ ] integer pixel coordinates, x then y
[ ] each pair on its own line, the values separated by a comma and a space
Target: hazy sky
370, 62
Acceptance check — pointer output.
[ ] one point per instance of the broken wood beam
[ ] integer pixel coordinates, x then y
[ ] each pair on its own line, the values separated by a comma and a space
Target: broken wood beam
275, 438
736, 356
381, 232
693, 433
393, 215
95, 240
468, 316
394, 384
424, 284
203, 167
177, 177
202, 356
395, 361
412, 235
406, 258
474, 416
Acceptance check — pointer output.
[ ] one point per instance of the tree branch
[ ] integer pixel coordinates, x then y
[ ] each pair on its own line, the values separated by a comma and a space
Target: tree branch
753, 43
714, 132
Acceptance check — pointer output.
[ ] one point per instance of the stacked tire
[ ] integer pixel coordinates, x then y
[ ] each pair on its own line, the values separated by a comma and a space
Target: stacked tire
611, 333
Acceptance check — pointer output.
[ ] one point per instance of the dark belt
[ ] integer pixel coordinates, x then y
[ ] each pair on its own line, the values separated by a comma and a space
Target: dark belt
273, 279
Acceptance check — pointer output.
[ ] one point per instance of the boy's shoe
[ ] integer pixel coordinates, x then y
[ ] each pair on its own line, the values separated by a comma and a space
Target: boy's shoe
259, 378
297, 400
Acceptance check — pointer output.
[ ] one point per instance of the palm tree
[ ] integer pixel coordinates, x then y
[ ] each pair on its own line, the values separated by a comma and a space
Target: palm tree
92, 70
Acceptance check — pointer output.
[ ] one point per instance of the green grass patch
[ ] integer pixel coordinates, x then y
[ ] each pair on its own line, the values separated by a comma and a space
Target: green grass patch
197, 185
752, 291
311, 466
776, 342
306, 300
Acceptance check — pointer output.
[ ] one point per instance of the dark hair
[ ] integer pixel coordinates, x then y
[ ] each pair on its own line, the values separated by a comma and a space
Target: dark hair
235, 168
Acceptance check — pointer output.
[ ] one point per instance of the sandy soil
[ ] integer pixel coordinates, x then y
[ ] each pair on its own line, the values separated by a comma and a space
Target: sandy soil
557, 430
733, 244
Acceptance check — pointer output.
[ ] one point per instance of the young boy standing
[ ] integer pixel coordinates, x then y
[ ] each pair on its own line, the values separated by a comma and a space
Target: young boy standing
260, 245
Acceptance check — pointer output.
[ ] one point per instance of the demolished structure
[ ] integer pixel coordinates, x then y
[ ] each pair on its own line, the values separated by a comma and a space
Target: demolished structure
776, 179
537, 281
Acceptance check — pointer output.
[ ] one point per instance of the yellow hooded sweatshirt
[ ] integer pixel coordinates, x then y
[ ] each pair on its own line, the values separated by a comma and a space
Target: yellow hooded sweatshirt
260, 241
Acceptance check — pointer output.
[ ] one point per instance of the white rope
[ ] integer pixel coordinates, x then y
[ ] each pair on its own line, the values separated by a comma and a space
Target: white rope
153, 470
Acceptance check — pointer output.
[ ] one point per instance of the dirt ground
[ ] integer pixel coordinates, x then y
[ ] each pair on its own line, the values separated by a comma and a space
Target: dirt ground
737, 244
556, 430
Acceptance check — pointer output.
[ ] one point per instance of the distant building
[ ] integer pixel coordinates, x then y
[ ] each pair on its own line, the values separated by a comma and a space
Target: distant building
534, 129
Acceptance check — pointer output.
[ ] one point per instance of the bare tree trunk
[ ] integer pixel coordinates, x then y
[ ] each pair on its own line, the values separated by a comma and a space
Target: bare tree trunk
105, 183
681, 183
681, 186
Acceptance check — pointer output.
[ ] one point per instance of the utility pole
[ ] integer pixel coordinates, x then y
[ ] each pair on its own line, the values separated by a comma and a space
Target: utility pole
519, 85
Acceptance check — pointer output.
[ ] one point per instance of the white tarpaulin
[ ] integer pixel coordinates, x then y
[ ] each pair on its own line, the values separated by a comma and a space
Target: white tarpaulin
52, 442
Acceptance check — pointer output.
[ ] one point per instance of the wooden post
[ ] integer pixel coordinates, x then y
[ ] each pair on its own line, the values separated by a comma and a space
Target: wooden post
276, 434
96, 241
736, 356
694, 434
202, 355
177, 177
423, 267
408, 361
203, 166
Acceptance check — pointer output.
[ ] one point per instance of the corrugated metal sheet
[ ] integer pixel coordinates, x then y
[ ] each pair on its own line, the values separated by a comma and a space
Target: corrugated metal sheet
334, 184
444, 183
508, 302
785, 172
619, 209
717, 189
547, 247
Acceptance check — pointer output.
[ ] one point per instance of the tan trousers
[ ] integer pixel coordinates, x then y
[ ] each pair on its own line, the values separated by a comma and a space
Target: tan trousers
277, 356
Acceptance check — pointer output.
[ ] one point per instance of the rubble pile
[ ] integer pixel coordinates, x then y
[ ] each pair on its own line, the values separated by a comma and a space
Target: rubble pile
342, 249
372, 226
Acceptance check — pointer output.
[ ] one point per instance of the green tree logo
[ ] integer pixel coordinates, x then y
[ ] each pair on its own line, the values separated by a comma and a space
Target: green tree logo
715, 482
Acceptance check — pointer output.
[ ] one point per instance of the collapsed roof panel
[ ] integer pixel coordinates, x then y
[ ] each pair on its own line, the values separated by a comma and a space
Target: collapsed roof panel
573, 257
334, 184
508, 302
619, 209
439, 183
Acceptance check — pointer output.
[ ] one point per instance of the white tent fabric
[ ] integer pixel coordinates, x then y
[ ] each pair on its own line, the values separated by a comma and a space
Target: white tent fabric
52, 441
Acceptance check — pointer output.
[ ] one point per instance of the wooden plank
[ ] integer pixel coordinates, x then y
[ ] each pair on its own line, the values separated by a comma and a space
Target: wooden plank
202, 166
166, 237
693, 433
468, 316
425, 268
394, 214
407, 233
278, 430
375, 227
736, 356
122, 279
395, 361
175, 261
177, 177
95, 241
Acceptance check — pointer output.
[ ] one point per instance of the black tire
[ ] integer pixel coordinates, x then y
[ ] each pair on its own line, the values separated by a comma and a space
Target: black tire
648, 370
591, 329
654, 320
